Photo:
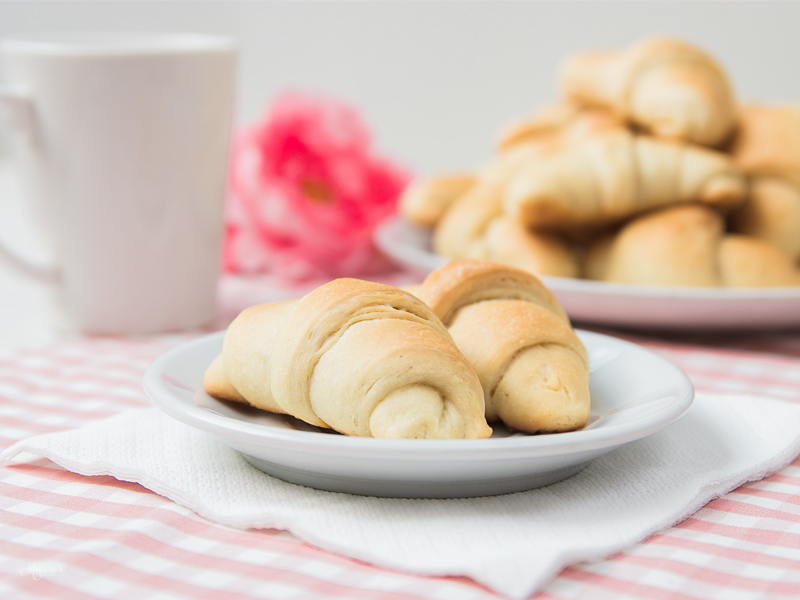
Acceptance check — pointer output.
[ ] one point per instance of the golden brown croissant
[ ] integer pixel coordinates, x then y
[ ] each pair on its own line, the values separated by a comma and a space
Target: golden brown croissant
475, 227
772, 213
549, 130
617, 175
558, 125
424, 202
687, 246
767, 141
533, 367
767, 147
665, 86
362, 358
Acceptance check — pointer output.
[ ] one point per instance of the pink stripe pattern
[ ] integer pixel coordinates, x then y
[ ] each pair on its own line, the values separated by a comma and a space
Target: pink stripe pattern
65, 536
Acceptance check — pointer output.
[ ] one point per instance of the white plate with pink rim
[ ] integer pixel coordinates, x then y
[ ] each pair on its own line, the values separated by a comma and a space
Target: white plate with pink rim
634, 393
625, 305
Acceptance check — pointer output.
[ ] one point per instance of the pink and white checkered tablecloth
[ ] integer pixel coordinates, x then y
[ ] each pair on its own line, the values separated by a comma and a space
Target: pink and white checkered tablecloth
68, 536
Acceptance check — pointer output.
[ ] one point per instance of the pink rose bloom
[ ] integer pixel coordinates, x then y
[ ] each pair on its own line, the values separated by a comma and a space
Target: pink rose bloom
305, 192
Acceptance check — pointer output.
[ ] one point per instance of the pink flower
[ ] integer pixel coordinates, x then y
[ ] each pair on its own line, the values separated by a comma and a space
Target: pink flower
305, 192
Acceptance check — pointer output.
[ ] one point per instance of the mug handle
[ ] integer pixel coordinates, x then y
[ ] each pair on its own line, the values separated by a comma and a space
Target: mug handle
19, 106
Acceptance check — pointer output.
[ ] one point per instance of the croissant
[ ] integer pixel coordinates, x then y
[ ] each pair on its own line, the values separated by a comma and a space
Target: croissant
424, 202
767, 141
767, 147
687, 246
559, 125
665, 86
746, 261
362, 358
533, 367
772, 213
475, 227
617, 175
530, 140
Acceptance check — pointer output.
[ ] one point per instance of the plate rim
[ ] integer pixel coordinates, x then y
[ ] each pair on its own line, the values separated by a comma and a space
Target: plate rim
585, 440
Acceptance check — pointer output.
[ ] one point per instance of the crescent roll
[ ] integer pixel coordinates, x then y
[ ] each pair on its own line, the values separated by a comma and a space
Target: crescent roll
475, 225
533, 367
688, 246
362, 358
767, 141
665, 86
772, 213
558, 125
424, 201
618, 175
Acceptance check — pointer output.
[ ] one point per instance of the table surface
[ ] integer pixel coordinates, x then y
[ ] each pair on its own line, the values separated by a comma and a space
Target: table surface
69, 536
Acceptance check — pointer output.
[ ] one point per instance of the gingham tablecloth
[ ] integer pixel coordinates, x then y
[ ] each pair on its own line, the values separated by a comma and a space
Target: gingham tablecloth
67, 536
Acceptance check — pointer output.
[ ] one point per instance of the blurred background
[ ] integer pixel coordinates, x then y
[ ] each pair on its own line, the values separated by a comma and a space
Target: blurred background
436, 80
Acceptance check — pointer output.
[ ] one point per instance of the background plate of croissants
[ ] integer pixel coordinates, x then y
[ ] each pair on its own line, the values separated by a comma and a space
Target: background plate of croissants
647, 195
632, 306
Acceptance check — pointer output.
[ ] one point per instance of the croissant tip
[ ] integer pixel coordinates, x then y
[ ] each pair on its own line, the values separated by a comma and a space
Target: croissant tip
726, 191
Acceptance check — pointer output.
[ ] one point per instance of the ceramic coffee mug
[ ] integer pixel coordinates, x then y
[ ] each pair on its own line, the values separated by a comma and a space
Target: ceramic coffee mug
122, 151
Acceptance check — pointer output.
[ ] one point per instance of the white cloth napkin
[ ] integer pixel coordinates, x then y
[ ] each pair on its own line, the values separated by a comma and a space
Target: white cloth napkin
514, 544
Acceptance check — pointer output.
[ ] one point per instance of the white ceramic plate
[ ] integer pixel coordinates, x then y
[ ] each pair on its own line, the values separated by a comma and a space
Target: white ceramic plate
623, 305
634, 394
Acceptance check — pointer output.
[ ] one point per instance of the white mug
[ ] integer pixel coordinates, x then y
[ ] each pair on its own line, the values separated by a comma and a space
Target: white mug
123, 153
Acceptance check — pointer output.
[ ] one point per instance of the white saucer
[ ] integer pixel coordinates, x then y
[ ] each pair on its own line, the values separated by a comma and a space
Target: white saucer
634, 394
624, 305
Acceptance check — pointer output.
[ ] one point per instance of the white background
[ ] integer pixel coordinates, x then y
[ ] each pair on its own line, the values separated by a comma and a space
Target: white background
437, 80
434, 80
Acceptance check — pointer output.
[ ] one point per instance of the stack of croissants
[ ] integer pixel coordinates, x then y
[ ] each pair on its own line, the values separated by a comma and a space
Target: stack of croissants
648, 171
476, 342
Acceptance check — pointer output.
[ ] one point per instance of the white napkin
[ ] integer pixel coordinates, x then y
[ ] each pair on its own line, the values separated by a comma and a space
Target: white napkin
514, 544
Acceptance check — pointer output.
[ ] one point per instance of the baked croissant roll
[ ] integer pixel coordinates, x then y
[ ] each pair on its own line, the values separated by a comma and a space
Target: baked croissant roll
362, 358
533, 367
665, 86
424, 202
526, 141
767, 141
618, 175
772, 213
559, 125
688, 246
476, 227
767, 148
